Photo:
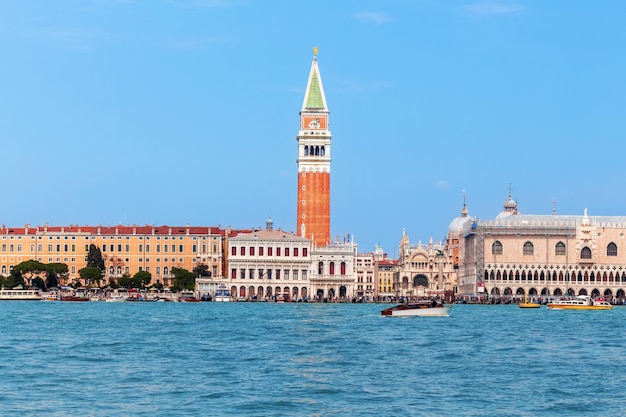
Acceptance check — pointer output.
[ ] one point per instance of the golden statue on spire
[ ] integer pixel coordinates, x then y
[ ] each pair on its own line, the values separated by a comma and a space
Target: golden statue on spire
315, 51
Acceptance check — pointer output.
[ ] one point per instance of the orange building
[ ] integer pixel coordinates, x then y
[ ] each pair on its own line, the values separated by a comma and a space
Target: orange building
125, 249
314, 162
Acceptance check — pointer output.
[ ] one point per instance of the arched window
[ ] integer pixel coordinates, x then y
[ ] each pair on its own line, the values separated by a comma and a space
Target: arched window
559, 249
323, 151
317, 151
529, 249
119, 270
332, 268
111, 270
343, 268
320, 268
585, 253
4, 269
496, 248
165, 270
611, 250
306, 150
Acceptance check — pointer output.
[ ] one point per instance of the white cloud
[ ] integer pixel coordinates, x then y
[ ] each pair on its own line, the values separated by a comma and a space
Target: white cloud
489, 8
441, 184
373, 17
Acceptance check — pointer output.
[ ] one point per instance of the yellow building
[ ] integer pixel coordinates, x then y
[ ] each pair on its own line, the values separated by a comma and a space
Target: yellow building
125, 249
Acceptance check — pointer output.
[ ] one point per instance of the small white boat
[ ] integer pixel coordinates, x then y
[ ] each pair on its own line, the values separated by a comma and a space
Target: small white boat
117, 297
52, 295
222, 295
420, 308
582, 302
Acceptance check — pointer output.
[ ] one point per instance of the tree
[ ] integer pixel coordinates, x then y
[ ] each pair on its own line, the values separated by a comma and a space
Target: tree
141, 279
183, 279
90, 274
125, 281
29, 269
54, 271
94, 258
202, 270
38, 283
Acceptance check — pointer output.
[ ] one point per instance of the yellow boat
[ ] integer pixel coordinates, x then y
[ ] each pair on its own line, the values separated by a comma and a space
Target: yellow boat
527, 304
582, 302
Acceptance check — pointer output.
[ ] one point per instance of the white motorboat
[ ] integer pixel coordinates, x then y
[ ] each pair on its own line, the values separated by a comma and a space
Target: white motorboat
222, 295
582, 302
420, 308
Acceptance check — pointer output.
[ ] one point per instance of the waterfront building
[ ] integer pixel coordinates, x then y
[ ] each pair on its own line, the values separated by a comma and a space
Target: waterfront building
314, 136
269, 264
543, 255
126, 250
385, 272
424, 270
365, 271
332, 273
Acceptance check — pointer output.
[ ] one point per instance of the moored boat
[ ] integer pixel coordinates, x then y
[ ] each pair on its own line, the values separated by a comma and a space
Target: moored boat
20, 294
188, 297
420, 308
52, 295
528, 304
75, 298
222, 294
581, 302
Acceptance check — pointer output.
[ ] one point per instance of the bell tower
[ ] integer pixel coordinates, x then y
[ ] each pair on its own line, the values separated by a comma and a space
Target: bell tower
314, 162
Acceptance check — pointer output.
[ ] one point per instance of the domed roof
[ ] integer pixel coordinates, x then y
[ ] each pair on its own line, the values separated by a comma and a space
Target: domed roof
510, 208
456, 226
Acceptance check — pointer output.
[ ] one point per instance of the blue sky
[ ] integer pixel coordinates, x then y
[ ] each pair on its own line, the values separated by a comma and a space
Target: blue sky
186, 111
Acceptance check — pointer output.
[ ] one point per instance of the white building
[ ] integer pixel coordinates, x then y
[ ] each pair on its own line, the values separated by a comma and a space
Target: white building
269, 264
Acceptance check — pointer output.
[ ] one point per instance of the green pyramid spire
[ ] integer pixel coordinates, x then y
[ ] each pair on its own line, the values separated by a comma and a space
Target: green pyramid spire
314, 97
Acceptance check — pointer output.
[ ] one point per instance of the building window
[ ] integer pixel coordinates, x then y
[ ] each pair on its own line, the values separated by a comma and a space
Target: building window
496, 248
242, 273
611, 250
295, 251
585, 253
286, 251
251, 250
242, 251
332, 268
233, 273
295, 274
277, 253
559, 249
529, 249
269, 251
251, 273
343, 268
278, 274
181, 248
320, 268
286, 274
261, 251
304, 252
233, 251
